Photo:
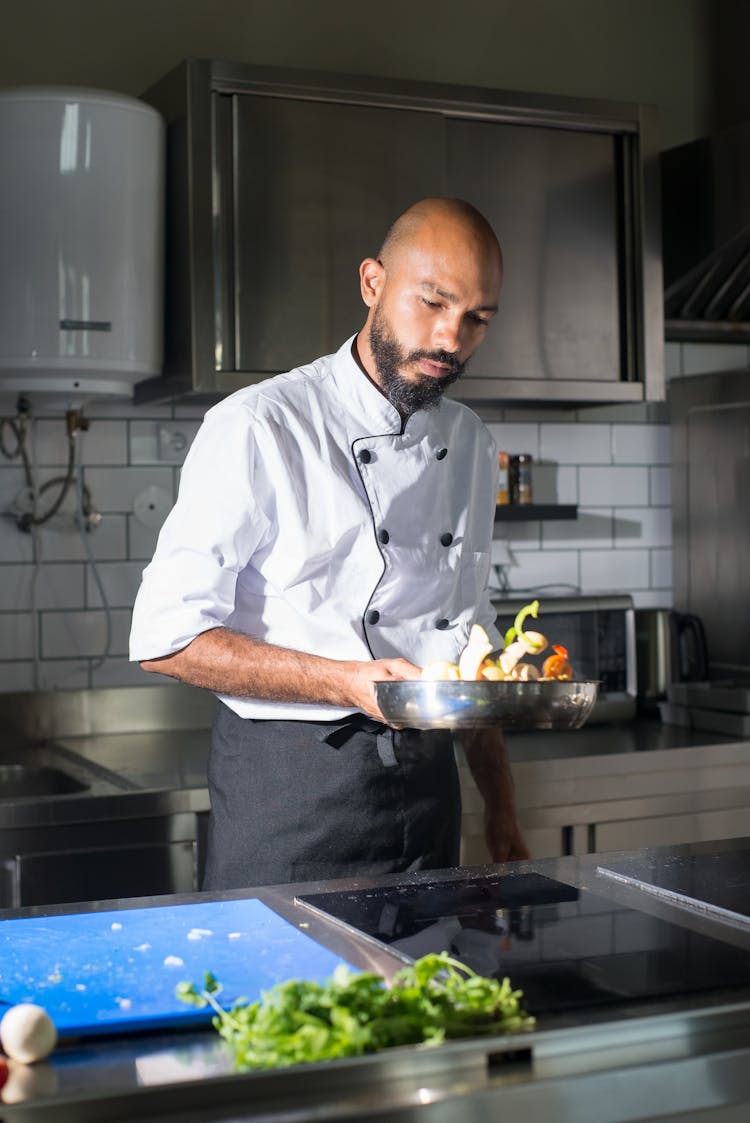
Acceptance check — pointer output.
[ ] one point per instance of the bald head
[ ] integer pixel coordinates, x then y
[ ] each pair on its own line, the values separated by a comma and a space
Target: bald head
435, 220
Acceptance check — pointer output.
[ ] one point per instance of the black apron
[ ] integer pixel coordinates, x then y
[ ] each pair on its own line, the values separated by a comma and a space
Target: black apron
302, 801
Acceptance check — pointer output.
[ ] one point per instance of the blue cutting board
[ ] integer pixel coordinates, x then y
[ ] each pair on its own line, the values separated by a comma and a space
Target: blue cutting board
113, 972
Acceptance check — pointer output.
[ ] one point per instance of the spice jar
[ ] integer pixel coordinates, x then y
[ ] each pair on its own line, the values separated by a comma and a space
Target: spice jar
521, 490
503, 488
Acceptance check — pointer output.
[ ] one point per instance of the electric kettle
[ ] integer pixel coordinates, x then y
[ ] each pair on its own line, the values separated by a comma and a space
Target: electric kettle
670, 647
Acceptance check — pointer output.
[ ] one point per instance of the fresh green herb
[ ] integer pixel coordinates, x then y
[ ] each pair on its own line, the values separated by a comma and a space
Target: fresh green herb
433, 999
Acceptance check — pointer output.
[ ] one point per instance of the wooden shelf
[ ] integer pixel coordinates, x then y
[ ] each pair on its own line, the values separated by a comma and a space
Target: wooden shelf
523, 512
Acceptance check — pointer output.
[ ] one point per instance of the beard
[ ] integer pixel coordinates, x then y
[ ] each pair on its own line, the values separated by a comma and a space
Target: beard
407, 394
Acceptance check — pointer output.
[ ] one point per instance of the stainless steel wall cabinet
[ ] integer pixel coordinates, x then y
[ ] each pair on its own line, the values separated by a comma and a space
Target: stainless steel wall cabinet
281, 181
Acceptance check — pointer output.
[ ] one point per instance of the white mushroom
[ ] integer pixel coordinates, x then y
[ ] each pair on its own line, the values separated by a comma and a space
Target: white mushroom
508, 658
532, 642
525, 672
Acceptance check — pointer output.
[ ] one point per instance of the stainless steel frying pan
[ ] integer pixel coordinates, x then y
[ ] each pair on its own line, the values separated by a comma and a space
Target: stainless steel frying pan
448, 704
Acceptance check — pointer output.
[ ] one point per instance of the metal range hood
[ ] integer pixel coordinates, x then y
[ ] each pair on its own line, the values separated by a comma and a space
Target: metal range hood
706, 237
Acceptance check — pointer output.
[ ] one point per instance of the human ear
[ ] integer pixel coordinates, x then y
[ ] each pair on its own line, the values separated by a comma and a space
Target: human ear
371, 280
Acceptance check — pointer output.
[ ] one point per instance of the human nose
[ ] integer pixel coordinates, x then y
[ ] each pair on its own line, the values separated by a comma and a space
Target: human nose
446, 334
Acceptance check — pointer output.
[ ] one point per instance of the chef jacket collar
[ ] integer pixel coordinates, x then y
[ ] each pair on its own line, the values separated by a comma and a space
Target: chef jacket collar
367, 404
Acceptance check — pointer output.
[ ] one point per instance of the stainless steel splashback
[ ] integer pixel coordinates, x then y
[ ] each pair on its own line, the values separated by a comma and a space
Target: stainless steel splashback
45, 714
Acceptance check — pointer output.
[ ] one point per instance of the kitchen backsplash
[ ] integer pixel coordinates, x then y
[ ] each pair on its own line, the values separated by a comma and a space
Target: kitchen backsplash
56, 632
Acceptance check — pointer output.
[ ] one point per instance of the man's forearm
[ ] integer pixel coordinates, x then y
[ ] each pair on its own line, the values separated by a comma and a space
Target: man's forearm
235, 664
232, 663
487, 757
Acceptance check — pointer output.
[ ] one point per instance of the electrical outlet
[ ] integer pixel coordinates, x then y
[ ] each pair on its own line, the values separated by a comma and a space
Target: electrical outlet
172, 441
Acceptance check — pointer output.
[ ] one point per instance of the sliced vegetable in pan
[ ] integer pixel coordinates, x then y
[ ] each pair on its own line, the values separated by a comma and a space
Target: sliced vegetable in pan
511, 664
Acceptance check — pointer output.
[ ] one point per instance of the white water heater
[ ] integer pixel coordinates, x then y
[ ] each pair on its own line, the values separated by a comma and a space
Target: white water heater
81, 242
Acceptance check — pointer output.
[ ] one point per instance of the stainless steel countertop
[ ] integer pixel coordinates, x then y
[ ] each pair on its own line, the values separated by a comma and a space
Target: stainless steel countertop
157, 761
156, 767
671, 1054
681, 1050
176, 759
642, 735
143, 750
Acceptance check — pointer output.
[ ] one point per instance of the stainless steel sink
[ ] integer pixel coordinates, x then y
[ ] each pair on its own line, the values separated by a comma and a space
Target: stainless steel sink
41, 772
20, 781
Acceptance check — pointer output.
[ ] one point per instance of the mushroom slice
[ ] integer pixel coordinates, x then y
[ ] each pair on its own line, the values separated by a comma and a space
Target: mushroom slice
508, 658
525, 672
532, 642
473, 655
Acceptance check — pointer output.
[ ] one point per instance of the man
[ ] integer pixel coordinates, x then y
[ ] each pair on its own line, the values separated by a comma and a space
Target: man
333, 529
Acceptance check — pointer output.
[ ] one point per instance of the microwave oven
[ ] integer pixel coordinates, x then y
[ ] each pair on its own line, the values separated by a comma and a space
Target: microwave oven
599, 633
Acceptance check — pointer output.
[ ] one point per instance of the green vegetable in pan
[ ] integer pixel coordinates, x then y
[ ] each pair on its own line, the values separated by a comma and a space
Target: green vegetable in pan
428, 1002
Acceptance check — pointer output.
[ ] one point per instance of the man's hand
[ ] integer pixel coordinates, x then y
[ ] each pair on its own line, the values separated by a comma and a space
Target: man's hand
365, 675
503, 835
487, 758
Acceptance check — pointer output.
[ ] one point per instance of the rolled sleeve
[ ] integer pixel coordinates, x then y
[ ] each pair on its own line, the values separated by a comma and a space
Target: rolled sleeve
207, 539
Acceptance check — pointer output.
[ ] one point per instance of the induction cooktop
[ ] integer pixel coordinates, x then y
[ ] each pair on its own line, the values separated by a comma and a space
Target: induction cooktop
565, 948
708, 882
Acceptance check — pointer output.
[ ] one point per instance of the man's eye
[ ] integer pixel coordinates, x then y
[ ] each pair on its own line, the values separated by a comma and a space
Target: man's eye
477, 319
430, 303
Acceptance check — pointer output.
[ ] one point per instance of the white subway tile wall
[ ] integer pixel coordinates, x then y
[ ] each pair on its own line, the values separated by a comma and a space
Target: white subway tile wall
614, 464
56, 632
65, 596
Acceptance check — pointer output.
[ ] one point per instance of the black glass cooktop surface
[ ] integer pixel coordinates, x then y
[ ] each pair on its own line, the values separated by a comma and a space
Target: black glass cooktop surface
566, 948
705, 881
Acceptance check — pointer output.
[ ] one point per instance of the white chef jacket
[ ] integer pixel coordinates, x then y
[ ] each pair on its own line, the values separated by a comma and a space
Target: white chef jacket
307, 519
